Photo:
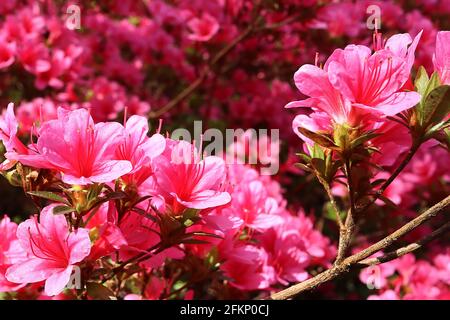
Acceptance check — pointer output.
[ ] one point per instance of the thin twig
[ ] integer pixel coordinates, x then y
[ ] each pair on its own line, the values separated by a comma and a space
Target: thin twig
344, 266
334, 205
137, 258
406, 249
394, 175
346, 233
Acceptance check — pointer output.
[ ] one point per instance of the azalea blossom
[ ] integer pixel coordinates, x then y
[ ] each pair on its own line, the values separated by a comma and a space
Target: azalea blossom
139, 149
253, 207
81, 151
185, 181
441, 57
203, 28
10, 253
356, 85
7, 53
53, 251
8, 136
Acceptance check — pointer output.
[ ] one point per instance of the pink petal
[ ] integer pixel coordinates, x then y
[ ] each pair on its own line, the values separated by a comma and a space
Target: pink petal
265, 221
30, 271
399, 102
111, 170
56, 283
79, 245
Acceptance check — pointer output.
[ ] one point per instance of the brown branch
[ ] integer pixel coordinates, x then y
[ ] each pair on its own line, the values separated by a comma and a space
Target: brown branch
333, 204
406, 249
346, 233
344, 266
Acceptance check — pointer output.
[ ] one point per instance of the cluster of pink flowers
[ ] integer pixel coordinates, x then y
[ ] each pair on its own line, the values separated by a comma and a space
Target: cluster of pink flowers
172, 199
409, 278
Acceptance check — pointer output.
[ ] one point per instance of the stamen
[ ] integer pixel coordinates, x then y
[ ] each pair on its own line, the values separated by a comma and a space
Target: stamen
125, 111
159, 126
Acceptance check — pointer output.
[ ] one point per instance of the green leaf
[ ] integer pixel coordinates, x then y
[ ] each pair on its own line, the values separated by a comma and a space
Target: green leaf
331, 214
421, 81
319, 165
63, 210
437, 106
97, 291
306, 158
188, 222
49, 196
303, 167
363, 138
190, 214
318, 138
316, 151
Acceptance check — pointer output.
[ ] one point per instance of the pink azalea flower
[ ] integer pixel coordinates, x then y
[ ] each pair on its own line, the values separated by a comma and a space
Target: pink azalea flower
204, 28
429, 165
132, 296
373, 82
442, 263
108, 99
319, 247
107, 236
340, 19
7, 53
393, 140
34, 57
139, 149
30, 114
8, 135
7, 5
356, 84
386, 295
377, 276
441, 58
141, 234
155, 288
254, 150
136, 106
254, 208
52, 249
59, 64
83, 152
10, 253
185, 181
251, 273
8, 128
287, 254
110, 239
